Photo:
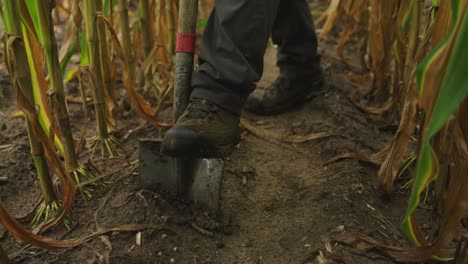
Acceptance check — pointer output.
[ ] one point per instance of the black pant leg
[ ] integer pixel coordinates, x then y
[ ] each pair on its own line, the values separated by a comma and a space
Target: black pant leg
294, 33
231, 58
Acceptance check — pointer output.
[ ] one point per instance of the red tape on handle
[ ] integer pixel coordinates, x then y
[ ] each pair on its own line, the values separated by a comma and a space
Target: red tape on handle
185, 43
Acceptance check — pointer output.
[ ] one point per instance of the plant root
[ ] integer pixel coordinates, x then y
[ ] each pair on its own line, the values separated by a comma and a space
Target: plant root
87, 172
46, 212
109, 147
83, 173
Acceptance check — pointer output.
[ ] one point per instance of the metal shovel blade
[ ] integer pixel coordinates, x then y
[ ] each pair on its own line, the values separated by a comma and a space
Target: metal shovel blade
197, 180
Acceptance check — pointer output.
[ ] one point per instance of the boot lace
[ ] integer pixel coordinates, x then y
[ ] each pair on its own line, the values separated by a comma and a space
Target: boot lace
200, 109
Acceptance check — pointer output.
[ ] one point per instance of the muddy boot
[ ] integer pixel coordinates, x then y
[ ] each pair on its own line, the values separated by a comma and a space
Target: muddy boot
203, 131
284, 94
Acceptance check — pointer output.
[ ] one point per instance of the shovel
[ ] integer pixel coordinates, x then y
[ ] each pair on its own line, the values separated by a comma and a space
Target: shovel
195, 180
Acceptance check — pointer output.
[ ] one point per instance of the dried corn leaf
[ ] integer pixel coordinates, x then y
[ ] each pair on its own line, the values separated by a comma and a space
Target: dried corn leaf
334, 11
357, 156
265, 134
442, 23
400, 254
381, 35
142, 107
399, 143
29, 237
354, 14
70, 42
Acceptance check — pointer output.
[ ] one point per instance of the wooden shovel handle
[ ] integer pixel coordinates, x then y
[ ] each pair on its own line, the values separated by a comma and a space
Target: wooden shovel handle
185, 49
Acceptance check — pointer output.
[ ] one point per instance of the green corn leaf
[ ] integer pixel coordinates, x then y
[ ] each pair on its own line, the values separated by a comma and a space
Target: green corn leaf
407, 18
442, 73
30, 4
6, 18
84, 60
106, 5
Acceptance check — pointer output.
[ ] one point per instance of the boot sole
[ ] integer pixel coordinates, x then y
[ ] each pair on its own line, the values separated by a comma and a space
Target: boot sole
201, 150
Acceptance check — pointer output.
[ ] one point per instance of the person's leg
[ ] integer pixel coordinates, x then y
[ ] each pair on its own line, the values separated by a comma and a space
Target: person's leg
231, 58
231, 61
298, 59
294, 33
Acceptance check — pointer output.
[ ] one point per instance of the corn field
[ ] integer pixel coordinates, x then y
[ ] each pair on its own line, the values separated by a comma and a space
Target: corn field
412, 60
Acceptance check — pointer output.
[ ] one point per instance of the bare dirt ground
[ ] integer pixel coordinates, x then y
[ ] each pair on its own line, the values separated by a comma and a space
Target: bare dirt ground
280, 202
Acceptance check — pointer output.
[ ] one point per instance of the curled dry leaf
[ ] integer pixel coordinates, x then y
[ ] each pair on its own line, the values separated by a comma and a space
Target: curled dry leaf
400, 254
399, 143
266, 134
29, 237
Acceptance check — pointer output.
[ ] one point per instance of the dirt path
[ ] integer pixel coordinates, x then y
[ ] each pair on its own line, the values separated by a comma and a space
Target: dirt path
280, 203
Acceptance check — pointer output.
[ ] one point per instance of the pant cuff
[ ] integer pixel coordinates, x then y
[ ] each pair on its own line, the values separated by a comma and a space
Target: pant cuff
221, 97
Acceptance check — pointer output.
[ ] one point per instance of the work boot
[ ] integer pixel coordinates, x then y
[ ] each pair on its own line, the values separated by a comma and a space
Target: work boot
203, 131
285, 93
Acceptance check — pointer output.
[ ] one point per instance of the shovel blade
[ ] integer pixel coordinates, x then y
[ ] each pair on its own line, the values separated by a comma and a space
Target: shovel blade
157, 172
197, 180
206, 186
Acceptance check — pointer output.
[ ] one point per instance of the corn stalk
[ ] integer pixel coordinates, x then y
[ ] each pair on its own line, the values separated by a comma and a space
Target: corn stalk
160, 30
126, 39
407, 50
105, 63
47, 38
20, 73
22, 69
380, 44
39, 31
99, 77
92, 37
170, 46
146, 26
36, 61
155, 71
67, 185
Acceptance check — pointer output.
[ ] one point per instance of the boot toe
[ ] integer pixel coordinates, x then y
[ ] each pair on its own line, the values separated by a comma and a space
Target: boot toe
180, 141
255, 102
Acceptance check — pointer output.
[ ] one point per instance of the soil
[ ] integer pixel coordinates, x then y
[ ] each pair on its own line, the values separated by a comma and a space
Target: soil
280, 202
